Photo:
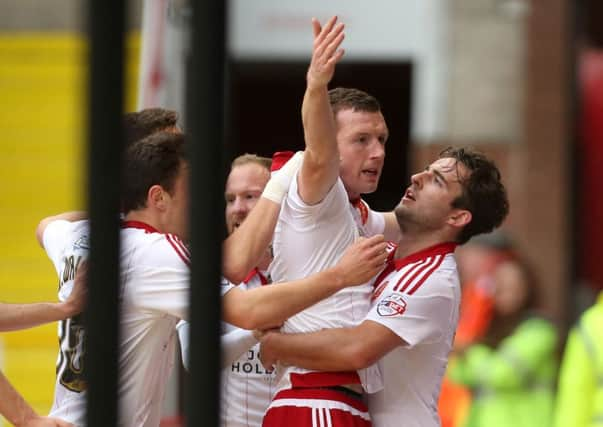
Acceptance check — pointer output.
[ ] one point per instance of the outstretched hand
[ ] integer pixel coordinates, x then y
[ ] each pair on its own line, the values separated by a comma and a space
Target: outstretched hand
326, 52
46, 422
363, 260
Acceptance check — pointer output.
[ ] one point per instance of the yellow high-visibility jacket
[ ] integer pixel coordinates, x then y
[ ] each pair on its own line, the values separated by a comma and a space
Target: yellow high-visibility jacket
580, 390
511, 385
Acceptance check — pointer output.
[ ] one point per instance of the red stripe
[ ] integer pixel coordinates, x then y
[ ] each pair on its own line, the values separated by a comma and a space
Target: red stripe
390, 267
178, 247
441, 249
411, 274
424, 278
252, 274
141, 225
324, 379
310, 393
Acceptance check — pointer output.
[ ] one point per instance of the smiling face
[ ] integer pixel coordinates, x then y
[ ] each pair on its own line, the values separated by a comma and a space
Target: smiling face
427, 203
361, 138
243, 189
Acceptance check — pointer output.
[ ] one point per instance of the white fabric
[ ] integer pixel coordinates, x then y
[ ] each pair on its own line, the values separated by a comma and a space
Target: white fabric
225, 286
67, 244
154, 296
426, 319
312, 238
280, 180
247, 388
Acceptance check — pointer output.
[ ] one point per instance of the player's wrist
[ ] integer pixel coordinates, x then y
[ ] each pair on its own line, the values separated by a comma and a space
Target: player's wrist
335, 277
67, 308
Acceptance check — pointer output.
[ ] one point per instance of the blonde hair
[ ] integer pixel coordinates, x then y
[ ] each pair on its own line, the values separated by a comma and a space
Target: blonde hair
247, 158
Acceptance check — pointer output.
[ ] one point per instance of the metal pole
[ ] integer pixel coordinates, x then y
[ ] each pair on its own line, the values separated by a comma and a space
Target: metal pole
204, 126
106, 21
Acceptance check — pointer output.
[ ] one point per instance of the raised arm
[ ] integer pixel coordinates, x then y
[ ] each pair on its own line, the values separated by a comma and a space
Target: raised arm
67, 216
270, 306
245, 247
321, 164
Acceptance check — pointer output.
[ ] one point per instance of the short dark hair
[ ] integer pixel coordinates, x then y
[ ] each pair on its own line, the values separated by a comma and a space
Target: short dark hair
140, 124
154, 160
484, 194
342, 98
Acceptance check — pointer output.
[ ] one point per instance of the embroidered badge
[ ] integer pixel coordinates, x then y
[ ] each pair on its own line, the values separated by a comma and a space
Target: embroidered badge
392, 305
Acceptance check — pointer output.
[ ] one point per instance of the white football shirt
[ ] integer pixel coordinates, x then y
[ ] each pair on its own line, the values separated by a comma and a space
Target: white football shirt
247, 388
312, 238
417, 298
154, 296
67, 245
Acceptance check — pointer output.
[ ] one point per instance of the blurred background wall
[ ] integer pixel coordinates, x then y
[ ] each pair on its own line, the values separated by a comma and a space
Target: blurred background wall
502, 75
43, 67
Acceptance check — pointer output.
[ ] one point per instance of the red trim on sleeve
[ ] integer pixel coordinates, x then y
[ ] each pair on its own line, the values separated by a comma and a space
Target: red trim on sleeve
413, 273
433, 268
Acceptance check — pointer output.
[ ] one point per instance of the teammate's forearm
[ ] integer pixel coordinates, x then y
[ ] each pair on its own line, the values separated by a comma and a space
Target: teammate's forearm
270, 306
246, 246
23, 316
326, 350
12, 406
235, 344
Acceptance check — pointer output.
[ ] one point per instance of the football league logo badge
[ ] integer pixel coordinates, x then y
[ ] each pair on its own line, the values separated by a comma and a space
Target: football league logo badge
393, 305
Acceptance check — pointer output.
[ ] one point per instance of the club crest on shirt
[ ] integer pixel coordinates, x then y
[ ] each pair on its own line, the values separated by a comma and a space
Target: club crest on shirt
392, 305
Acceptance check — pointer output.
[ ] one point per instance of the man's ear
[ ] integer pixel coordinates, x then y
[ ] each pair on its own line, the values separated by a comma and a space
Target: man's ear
156, 197
459, 218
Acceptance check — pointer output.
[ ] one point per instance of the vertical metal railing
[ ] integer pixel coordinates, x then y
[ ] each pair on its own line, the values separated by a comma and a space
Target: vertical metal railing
204, 126
106, 21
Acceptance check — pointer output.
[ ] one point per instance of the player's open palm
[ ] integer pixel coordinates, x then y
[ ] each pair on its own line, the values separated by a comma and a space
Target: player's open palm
326, 52
363, 260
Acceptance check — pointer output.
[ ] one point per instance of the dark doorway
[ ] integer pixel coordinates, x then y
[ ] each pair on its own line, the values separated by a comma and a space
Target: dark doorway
265, 103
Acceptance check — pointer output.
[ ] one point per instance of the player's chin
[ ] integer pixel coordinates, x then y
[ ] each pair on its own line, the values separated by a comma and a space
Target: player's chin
370, 187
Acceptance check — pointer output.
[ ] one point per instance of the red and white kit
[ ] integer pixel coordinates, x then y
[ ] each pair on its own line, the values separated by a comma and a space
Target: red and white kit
309, 239
154, 297
417, 298
247, 388
67, 245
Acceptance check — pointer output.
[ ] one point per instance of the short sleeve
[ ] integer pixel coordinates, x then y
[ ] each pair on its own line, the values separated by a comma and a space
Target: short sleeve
419, 318
54, 237
160, 280
304, 214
